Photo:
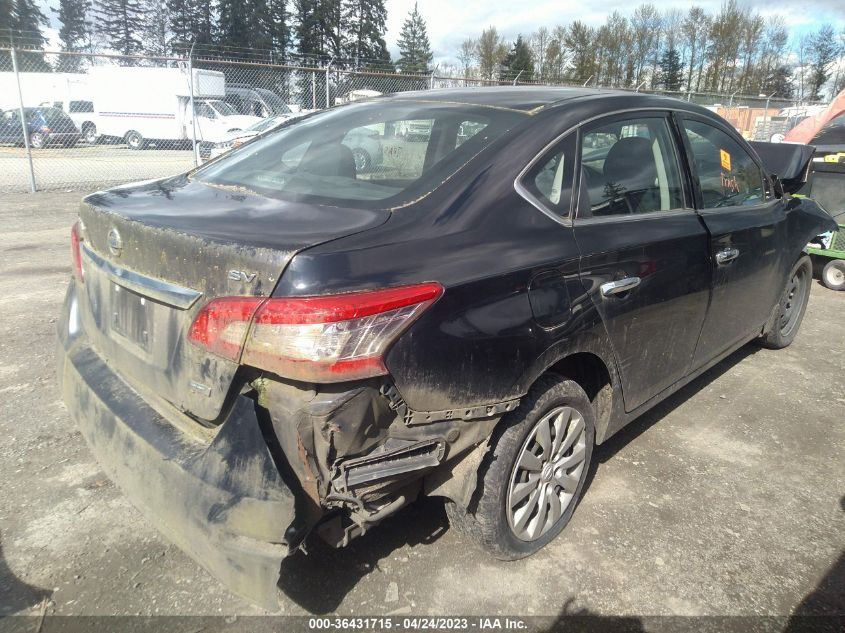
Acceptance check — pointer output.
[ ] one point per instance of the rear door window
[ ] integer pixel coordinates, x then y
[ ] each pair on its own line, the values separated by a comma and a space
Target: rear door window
629, 166
549, 181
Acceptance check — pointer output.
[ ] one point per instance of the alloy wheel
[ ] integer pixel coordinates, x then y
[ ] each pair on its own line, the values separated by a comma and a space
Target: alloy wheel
547, 472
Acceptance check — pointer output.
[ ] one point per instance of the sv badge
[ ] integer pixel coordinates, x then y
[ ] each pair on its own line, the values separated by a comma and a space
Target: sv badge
239, 275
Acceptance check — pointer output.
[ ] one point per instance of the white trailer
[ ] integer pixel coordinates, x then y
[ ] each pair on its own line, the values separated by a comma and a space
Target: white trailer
152, 105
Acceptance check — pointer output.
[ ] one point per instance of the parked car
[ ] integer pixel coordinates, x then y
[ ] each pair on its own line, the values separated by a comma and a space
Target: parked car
260, 102
45, 126
357, 95
209, 150
272, 346
82, 114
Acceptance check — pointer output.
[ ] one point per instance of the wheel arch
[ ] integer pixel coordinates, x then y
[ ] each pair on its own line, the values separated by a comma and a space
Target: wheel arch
592, 366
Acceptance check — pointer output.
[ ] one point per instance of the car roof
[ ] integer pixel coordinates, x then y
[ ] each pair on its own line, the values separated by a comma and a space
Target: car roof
530, 99
525, 98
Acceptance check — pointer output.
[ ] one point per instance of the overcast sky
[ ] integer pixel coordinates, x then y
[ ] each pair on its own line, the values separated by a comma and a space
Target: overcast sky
452, 21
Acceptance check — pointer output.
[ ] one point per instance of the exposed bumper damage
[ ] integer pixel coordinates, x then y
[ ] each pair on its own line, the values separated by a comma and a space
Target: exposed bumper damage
223, 502
288, 458
358, 455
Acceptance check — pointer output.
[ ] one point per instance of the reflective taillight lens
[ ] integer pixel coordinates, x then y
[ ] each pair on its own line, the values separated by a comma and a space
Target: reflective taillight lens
318, 339
76, 250
222, 324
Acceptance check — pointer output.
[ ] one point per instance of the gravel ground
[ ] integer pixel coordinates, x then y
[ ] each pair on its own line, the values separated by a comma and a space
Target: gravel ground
87, 165
725, 499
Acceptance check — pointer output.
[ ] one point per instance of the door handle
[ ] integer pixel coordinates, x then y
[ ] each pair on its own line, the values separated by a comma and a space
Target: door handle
618, 287
727, 255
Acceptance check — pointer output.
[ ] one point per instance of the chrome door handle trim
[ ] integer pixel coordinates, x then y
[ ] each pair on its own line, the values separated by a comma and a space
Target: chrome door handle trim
727, 255
618, 287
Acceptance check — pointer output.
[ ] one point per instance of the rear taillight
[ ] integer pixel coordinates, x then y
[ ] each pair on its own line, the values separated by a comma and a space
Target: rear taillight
317, 339
222, 324
76, 250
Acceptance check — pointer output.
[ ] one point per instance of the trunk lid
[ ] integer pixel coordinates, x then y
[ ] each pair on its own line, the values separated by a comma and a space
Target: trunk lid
155, 253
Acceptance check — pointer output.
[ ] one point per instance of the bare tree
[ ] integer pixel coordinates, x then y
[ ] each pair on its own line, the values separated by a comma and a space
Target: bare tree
579, 40
539, 45
491, 51
645, 24
695, 29
467, 56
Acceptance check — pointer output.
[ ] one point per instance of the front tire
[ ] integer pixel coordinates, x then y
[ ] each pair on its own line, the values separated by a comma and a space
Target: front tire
790, 310
37, 140
533, 476
833, 274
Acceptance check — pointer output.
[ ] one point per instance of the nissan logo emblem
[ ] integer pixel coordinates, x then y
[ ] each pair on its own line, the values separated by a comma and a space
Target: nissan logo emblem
115, 242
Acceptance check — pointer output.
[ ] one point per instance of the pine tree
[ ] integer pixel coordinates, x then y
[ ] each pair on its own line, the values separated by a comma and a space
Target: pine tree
190, 22
73, 33
319, 28
121, 23
414, 47
7, 23
823, 52
307, 33
156, 22
519, 60
27, 24
671, 70
235, 27
278, 28
365, 23
779, 83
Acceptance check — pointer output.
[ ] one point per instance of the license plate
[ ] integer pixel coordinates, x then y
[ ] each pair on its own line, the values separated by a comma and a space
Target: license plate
131, 318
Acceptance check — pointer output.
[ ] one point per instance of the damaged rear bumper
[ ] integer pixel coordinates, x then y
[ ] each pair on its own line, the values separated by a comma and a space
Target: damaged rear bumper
221, 500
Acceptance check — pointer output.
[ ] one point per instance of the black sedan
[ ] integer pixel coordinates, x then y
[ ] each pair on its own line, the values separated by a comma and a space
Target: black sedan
277, 344
45, 126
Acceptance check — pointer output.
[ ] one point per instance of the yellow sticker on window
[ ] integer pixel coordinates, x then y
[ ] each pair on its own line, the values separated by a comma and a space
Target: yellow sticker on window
726, 159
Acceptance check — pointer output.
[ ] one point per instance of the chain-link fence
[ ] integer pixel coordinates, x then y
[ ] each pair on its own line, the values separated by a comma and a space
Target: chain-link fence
81, 121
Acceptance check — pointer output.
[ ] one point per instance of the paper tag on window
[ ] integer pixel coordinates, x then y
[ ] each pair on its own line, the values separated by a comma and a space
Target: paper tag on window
726, 159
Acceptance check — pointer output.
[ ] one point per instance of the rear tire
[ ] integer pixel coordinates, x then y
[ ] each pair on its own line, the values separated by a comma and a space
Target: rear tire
833, 274
134, 140
791, 306
533, 476
89, 133
363, 161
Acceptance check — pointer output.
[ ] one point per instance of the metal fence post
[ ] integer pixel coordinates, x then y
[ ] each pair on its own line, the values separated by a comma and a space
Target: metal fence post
314, 90
191, 105
23, 121
328, 91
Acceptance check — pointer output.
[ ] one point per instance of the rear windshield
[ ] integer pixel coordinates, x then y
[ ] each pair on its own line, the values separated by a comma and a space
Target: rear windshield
373, 154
